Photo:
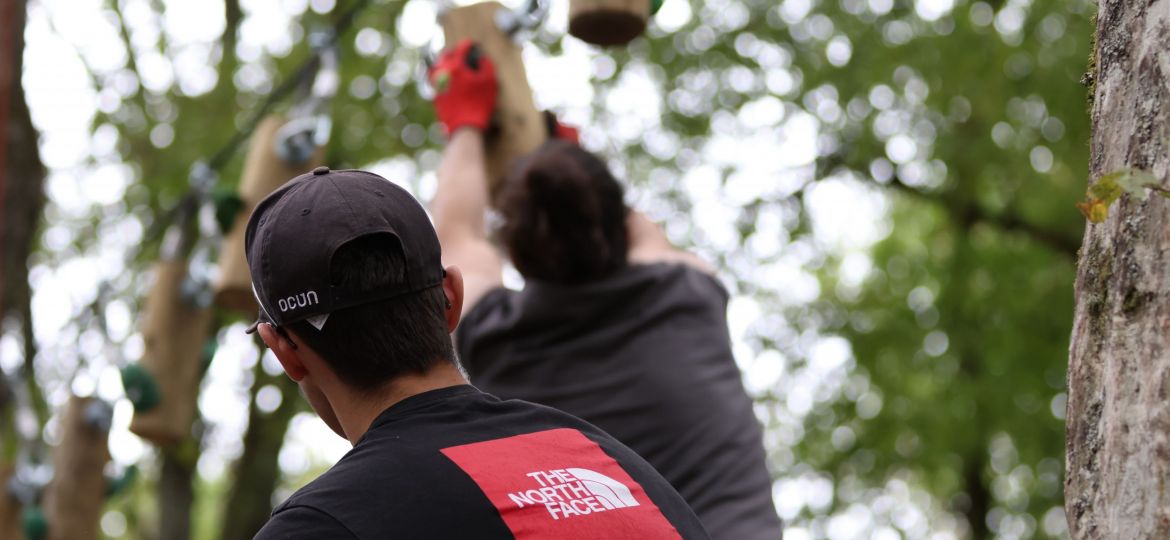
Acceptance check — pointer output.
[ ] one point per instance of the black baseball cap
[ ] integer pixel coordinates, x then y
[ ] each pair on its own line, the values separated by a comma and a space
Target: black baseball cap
294, 232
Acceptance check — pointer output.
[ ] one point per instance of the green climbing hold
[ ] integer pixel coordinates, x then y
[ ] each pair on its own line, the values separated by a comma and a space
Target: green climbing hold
34, 523
140, 387
120, 484
655, 5
227, 205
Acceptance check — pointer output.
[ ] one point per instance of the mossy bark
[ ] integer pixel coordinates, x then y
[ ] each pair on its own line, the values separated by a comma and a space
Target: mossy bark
1118, 427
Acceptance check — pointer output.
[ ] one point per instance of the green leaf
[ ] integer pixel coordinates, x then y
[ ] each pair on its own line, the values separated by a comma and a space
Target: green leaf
1136, 182
1106, 189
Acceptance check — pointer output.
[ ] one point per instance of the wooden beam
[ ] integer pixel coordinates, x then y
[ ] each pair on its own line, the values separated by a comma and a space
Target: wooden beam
174, 332
76, 495
608, 22
264, 171
517, 127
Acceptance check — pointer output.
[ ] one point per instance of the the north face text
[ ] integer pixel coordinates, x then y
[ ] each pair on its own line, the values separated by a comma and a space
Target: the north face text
559, 484
573, 492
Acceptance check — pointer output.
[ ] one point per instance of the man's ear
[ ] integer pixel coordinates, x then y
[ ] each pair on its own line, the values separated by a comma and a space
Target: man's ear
284, 351
453, 289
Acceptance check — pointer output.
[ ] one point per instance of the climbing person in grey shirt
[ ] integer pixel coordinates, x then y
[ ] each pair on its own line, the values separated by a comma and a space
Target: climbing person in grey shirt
614, 325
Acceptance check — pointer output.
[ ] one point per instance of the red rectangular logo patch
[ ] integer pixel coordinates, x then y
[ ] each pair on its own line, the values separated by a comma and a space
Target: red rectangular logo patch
560, 484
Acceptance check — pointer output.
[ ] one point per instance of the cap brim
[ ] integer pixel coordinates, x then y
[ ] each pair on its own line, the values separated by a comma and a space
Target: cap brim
260, 319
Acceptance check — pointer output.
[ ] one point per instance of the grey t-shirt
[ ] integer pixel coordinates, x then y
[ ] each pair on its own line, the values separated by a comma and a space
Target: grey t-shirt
644, 355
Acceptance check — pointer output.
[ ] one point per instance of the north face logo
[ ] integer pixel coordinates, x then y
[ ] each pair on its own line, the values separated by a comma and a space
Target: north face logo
560, 484
573, 492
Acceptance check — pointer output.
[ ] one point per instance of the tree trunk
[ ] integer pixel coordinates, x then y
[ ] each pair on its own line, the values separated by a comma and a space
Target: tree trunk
10, 508
1118, 432
176, 491
257, 471
979, 498
22, 175
22, 198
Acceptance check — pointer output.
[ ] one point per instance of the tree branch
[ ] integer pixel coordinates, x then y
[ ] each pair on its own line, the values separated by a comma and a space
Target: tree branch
969, 213
131, 55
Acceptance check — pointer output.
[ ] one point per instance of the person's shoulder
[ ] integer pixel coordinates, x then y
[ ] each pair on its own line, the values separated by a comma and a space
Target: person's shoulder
390, 481
303, 521
493, 309
491, 301
365, 467
685, 276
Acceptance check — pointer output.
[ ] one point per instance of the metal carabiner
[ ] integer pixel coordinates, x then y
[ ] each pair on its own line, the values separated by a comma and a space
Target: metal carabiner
309, 124
511, 22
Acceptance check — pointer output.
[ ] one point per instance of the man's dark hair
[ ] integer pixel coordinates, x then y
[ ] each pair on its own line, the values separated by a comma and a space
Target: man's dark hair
370, 344
564, 220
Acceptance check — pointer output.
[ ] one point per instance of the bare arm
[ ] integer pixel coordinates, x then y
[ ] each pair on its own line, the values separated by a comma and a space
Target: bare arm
459, 206
648, 245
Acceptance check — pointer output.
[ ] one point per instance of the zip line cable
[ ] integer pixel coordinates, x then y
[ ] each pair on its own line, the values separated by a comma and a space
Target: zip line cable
203, 172
340, 26
181, 226
178, 218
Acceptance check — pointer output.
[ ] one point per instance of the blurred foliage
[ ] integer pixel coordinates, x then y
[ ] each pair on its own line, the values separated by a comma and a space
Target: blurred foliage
963, 121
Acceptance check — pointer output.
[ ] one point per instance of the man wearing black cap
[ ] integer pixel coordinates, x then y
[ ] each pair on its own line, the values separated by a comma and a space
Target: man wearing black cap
614, 325
357, 307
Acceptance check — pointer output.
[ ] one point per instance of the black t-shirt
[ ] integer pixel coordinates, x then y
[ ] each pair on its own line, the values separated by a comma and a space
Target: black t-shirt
644, 355
456, 463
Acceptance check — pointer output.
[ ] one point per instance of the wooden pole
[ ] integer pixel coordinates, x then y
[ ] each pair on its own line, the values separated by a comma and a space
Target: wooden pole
518, 128
174, 332
608, 22
10, 507
75, 496
264, 171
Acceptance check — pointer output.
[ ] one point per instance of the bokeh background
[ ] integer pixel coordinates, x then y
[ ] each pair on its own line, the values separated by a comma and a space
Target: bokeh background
887, 187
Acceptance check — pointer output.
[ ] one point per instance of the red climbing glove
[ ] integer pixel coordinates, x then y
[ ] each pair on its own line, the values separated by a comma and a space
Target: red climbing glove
465, 87
557, 130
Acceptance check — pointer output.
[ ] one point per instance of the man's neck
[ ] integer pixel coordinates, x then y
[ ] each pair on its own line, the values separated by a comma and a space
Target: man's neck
357, 411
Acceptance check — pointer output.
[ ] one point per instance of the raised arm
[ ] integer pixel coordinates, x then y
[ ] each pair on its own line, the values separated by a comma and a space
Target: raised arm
648, 245
465, 95
459, 207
